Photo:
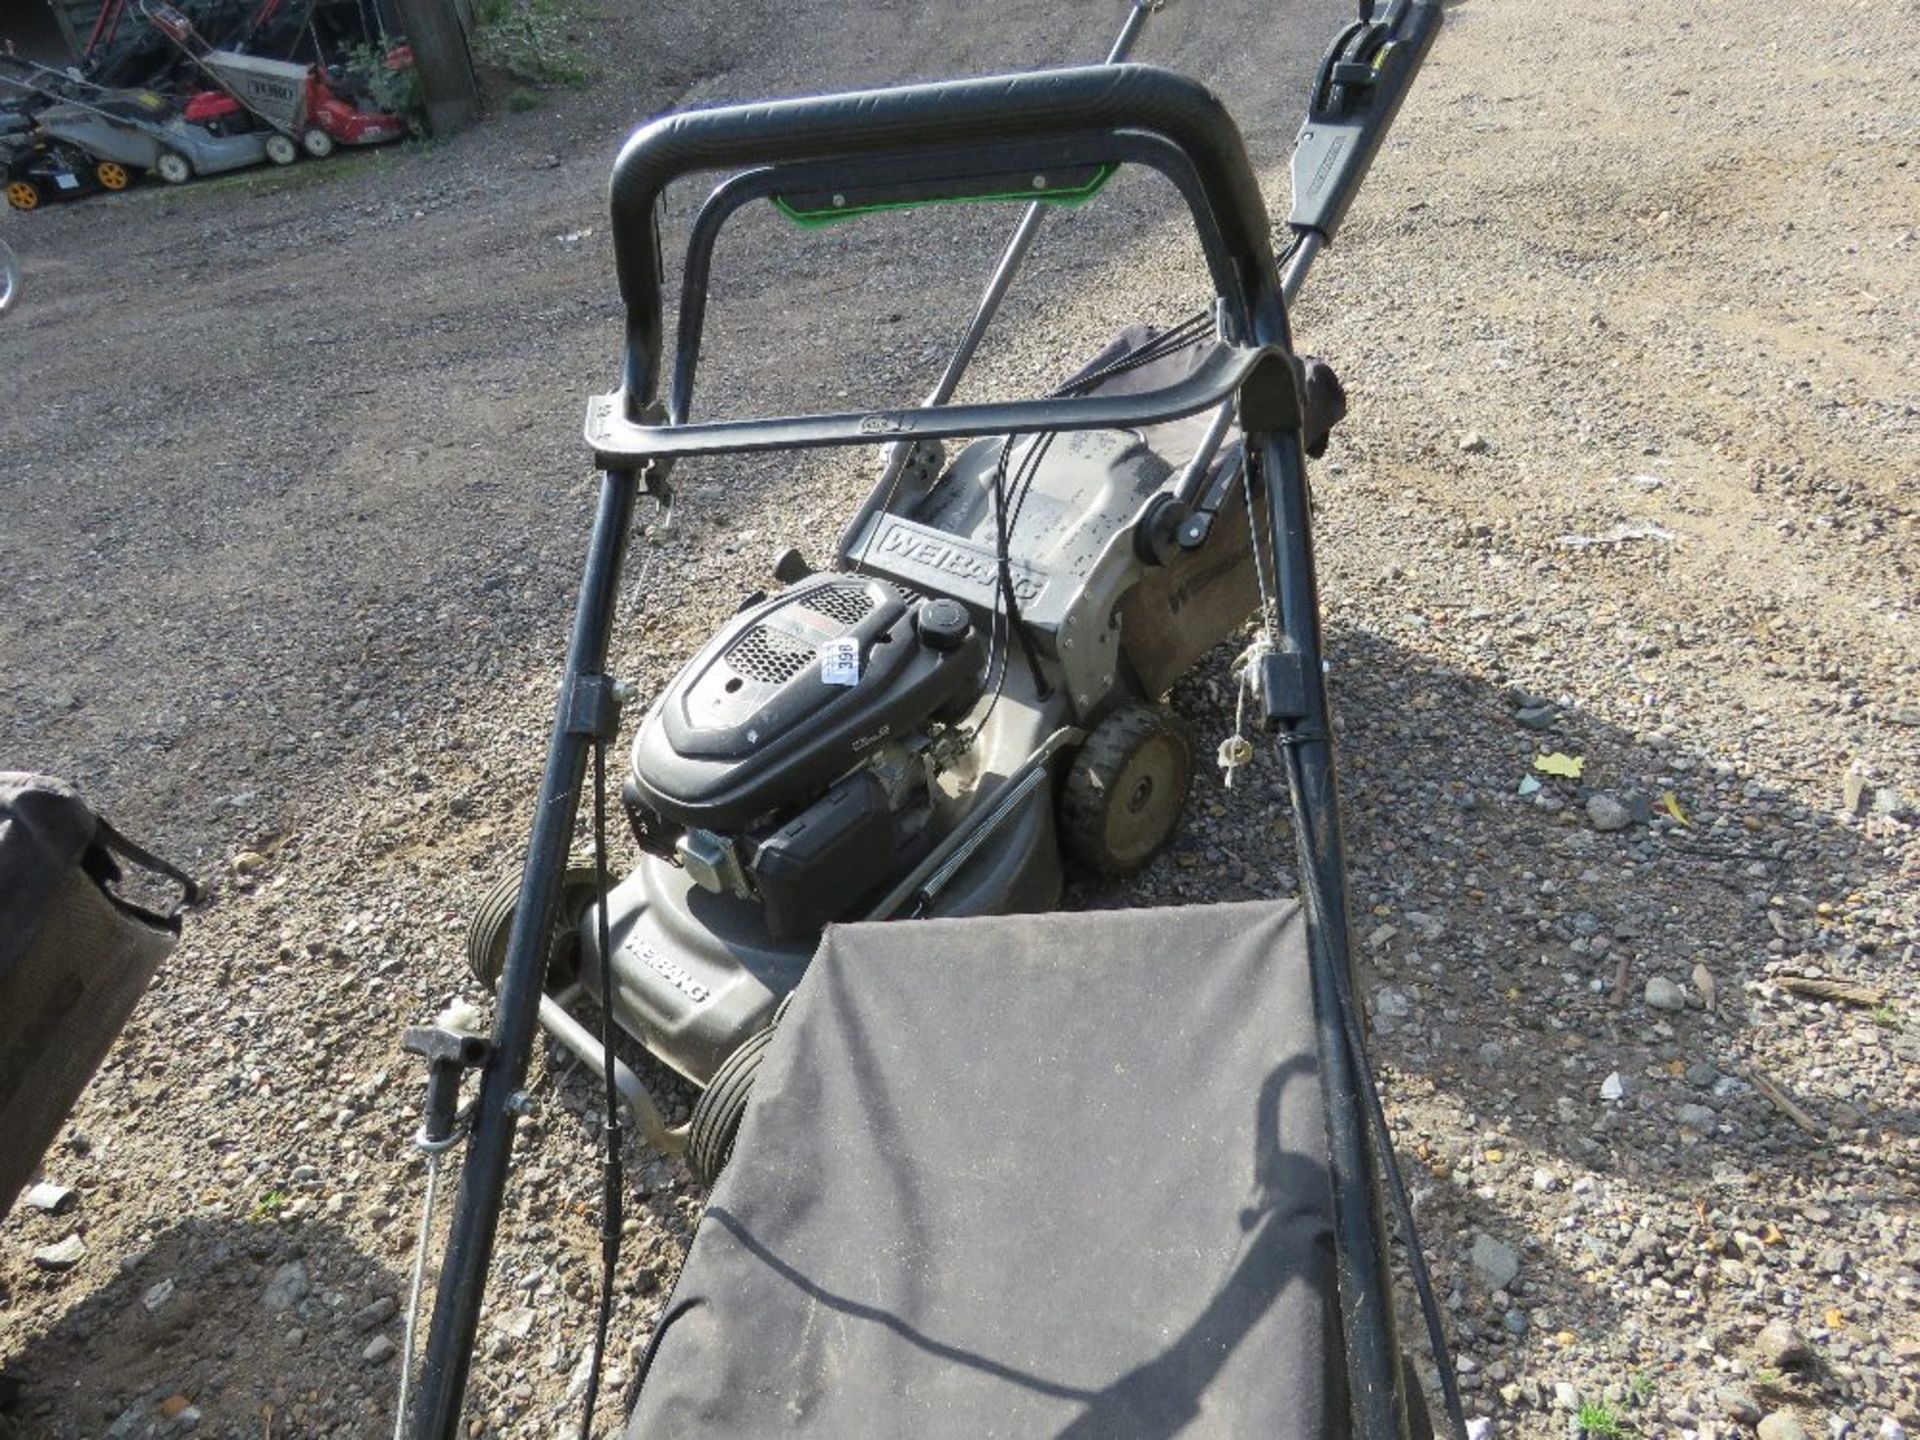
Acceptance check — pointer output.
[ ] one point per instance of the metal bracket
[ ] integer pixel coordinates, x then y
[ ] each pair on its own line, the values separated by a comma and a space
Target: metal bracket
1198, 526
593, 707
1269, 397
1282, 681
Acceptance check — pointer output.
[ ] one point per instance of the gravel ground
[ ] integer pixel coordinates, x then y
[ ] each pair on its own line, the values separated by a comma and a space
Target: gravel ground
294, 511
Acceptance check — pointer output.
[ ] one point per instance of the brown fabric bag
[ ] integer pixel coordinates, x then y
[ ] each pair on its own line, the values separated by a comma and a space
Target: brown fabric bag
75, 958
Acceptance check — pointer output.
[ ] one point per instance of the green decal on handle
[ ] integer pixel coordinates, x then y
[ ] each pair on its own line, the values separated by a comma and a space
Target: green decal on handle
809, 216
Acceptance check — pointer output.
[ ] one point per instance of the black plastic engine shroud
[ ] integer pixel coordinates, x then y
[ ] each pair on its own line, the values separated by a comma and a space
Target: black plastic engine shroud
751, 727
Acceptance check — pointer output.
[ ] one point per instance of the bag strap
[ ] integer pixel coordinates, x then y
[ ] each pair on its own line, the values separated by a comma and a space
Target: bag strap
192, 892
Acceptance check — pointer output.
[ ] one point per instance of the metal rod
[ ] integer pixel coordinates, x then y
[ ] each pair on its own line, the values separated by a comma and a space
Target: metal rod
1187, 489
991, 298
1305, 251
1018, 245
410, 1335
1192, 482
581, 1044
996, 810
1016, 793
483, 1178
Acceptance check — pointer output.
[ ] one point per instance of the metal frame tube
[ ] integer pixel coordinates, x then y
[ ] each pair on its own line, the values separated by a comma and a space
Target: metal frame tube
1360, 1234
1306, 250
9, 278
483, 1176
584, 1046
1011, 259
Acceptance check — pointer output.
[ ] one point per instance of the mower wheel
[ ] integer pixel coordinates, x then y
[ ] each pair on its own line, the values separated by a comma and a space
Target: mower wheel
492, 923
173, 167
316, 142
1126, 789
112, 176
281, 150
24, 194
716, 1114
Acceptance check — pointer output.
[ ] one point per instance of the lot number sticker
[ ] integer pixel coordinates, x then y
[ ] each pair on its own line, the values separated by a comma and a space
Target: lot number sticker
840, 661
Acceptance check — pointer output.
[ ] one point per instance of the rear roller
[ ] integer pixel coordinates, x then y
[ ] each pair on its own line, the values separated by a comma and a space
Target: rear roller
718, 1111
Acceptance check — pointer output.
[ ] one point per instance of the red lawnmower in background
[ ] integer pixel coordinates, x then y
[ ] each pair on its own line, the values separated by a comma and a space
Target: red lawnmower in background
298, 101
329, 116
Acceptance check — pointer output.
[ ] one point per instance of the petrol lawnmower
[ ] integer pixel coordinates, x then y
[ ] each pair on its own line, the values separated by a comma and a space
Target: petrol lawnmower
928, 727
127, 132
968, 696
292, 100
42, 170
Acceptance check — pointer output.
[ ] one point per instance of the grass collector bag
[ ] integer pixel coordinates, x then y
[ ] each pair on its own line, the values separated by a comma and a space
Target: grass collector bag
75, 957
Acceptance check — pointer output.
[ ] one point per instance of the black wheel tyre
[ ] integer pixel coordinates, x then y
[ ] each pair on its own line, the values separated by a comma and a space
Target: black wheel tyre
492, 923
1126, 789
317, 143
281, 150
25, 194
173, 167
716, 1114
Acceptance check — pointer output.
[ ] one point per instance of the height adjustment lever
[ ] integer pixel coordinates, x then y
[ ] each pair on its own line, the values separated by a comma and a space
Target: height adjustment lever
1323, 405
449, 1054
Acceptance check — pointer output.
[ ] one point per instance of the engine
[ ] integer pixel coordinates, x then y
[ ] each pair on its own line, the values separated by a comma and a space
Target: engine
790, 763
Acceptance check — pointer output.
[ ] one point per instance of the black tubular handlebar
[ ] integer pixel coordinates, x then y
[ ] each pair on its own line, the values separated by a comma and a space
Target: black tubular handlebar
912, 119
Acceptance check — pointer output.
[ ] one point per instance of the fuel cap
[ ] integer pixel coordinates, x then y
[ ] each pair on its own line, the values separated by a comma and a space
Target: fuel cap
943, 624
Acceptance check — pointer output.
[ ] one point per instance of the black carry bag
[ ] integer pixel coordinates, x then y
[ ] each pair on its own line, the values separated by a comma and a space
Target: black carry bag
75, 958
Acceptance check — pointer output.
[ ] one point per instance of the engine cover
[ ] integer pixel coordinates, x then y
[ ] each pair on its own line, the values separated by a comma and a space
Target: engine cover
753, 725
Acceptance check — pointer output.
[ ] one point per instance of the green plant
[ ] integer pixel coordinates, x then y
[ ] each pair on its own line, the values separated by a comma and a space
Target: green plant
1885, 1016
1597, 1421
1640, 1387
522, 99
394, 92
269, 1205
529, 39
